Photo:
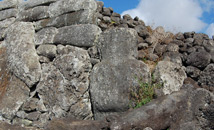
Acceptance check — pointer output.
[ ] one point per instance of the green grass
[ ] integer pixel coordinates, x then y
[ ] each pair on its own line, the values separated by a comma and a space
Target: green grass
143, 93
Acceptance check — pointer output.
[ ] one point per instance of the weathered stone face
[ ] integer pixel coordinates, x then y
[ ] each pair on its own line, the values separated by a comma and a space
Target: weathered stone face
64, 84
171, 75
84, 36
20, 38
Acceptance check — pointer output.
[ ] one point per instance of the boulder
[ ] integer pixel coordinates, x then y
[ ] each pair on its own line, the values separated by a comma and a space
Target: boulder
9, 13
47, 51
67, 6
45, 36
78, 35
193, 72
22, 57
171, 75
207, 76
117, 43
111, 83
117, 74
199, 59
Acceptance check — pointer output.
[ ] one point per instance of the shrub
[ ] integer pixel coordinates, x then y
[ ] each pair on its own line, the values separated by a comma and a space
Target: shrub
143, 93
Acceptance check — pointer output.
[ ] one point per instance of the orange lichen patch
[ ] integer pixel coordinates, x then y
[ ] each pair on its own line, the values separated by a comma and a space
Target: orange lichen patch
4, 74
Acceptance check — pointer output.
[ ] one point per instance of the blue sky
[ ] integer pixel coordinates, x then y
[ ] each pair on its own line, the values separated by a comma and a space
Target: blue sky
173, 15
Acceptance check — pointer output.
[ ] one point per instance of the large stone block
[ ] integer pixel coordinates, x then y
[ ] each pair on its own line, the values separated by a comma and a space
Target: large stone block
111, 82
67, 6
33, 3
119, 42
22, 57
4, 14
33, 14
6, 4
45, 36
171, 75
207, 76
73, 18
78, 35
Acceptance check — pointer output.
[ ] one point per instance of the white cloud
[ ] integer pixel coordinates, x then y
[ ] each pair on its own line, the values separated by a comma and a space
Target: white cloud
210, 30
174, 15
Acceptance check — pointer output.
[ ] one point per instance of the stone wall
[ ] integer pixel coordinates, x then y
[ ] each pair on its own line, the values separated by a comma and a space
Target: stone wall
77, 59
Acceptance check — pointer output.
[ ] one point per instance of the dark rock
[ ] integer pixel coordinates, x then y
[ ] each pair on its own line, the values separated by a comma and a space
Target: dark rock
152, 57
8, 4
70, 124
141, 55
193, 72
189, 40
115, 20
207, 76
198, 59
174, 57
208, 45
116, 15
180, 36
199, 38
160, 49
212, 56
6, 126
127, 17
33, 116
106, 11
192, 82
189, 34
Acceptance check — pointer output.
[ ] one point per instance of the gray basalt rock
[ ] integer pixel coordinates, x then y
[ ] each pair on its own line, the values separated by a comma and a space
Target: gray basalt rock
199, 59
171, 75
117, 73
78, 35
119, 42
67, 6
72, 18
207, 76
7, 4
4, 25
47, 51
6, 126
193, 72
33, 14
9, 13
22, 57
45, 36
33, 3
64, 84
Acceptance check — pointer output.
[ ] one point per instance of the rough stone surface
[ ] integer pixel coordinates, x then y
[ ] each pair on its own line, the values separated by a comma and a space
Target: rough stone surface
199, 59
45, 36
66, 6
117, 73
33, 3
6, 4
20, 38
110, 86
4, 14
171, 75
73, 18
70, 124
193, 72
207, 76
64, 84
47, 50
83, 36
119, 42
33, 14
6, 126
